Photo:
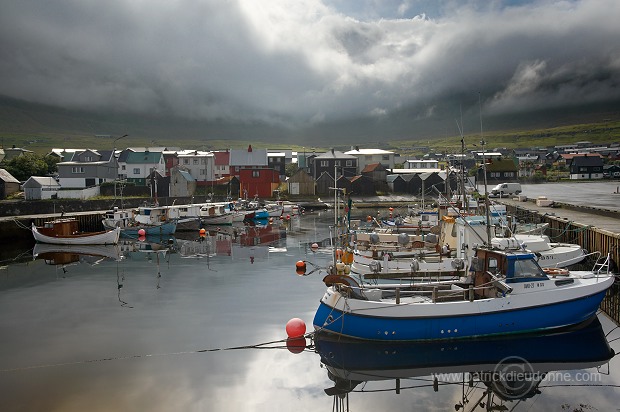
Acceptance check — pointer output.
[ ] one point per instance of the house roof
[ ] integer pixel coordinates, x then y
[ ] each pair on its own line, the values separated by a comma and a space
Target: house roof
143, 157
586, 161
40, 181
248, 157
392, 178
186, 175
334, 154
7, 177
499, 165
570, 156
373, 167
368, 152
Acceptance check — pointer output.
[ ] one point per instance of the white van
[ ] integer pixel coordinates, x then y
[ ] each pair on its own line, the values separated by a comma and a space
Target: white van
506, 189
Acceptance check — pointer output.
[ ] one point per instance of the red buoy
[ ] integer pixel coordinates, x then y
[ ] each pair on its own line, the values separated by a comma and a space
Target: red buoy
300, 267
295, 328
142, 238
141, 232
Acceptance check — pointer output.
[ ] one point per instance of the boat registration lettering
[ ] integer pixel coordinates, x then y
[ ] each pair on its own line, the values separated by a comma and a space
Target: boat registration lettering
533, 285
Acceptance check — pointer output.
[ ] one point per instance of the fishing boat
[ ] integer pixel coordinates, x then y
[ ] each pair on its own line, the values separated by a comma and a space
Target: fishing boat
480, 363
65, 231
150, 220
216, 214
505, 292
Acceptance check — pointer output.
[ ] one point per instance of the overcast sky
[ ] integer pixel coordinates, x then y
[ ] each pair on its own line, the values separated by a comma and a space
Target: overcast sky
300, 63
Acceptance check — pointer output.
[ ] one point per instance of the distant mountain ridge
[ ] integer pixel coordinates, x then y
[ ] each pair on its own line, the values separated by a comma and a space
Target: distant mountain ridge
26, 118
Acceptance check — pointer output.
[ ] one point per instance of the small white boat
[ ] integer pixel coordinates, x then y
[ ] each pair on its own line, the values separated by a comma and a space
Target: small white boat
65, 231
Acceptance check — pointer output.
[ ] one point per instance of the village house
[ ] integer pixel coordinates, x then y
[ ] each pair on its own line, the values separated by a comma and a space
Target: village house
251, 167
87, 168
586, 167
333, 162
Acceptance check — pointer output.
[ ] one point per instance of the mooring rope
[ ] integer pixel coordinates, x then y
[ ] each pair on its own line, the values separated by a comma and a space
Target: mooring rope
264, 345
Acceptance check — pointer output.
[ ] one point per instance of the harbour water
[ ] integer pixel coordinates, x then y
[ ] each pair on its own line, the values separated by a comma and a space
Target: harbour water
203, 329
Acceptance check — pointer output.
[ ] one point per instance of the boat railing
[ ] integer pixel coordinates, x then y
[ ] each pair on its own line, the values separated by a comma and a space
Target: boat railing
591, 254
602, 264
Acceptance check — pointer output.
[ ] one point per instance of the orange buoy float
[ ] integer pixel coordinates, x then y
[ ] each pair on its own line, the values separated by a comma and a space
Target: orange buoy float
347, 258
300, 267
141, 232
295, 328
339, 253
202, 232
368, 218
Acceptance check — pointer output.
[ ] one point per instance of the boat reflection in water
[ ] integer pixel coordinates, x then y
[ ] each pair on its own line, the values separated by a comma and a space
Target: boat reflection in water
495, 373
66, 254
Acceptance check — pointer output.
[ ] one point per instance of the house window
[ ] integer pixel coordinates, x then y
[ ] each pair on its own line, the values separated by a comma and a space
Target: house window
203, 161
77, 169
255, 173
337, 163
123, 167
324, 163
195, 161
583, 169
88, 158
185, 161
385, 157
136, 171
349, 163
203, 172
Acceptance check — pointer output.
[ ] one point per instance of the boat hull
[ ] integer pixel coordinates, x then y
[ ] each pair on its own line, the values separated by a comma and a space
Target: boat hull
100, 238
168, 228
376, 320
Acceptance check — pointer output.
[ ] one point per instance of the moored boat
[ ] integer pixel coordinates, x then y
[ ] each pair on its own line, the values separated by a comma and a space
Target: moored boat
65, 231
506, 292
150, 220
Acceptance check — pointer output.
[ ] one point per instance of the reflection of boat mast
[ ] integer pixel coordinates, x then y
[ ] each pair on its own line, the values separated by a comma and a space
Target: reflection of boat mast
119, 285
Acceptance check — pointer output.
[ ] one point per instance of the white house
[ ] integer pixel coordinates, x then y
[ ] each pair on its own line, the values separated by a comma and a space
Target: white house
199, 164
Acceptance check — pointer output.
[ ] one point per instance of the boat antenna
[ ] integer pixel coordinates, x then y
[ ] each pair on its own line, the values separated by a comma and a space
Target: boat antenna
484, 172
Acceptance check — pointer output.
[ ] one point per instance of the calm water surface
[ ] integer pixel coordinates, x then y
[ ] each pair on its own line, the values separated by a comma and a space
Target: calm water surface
204, 330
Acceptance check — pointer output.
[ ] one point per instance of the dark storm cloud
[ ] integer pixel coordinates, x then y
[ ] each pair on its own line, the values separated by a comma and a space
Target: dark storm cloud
306, 62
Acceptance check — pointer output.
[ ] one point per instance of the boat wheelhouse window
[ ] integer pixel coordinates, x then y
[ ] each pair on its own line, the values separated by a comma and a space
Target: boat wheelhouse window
492, 265
527, 269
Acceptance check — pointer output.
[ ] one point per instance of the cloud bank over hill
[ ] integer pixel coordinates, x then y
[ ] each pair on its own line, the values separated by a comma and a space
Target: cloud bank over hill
312, 67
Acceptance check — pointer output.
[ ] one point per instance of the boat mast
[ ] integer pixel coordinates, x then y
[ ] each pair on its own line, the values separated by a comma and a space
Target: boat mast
484, 171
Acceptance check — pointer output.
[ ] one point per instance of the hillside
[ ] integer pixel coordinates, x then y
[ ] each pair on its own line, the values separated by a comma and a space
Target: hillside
40, 128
